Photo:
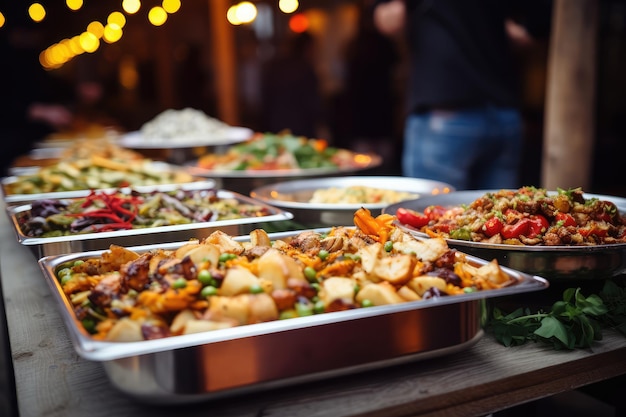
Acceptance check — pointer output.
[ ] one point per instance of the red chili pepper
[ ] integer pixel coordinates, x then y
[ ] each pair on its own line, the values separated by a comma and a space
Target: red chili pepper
565, 219
493, 226
515, 230
538, 225
411, 217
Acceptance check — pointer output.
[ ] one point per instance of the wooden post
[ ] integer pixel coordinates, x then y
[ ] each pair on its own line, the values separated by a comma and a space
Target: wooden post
224, 62
570, 96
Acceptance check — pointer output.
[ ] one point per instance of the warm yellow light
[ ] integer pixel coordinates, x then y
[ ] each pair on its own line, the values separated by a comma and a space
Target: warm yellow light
246, 12
89, 42
128, 74
112, 33
65, 54
36, 12
131, 6
75, 45
157, 16
171, 6
288, 6
116, 19
231, 16
96, 28
74, 4
2, 19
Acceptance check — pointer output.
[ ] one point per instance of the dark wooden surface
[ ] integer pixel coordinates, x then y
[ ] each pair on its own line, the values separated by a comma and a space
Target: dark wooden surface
52, 380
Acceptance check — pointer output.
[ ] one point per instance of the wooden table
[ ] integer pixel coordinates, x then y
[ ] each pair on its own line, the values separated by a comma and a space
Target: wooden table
52, 380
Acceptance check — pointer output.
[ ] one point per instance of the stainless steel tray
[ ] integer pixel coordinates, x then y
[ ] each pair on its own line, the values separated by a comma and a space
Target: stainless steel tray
10, 198
203, 366
45, 246
295, 196
552, 262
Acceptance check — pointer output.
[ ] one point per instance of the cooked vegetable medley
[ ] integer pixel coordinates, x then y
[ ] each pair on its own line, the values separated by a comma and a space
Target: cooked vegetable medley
93, 173
359, 194
527, 216
220, 282
268, 151
102, 211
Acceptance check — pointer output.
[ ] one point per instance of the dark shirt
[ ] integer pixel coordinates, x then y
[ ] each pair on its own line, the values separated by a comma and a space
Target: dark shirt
460, 54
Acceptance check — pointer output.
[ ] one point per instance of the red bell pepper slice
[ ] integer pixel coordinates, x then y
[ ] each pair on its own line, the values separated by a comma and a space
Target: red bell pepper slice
538, 225
515, 230
411, 217
565, 219
493, 226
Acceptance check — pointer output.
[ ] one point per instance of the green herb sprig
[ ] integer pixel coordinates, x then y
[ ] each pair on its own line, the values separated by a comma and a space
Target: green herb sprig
575, 322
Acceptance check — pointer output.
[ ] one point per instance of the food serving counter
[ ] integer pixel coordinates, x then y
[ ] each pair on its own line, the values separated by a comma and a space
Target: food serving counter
52, 380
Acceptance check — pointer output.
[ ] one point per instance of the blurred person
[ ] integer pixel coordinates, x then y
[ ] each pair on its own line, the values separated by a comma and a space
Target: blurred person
290, 90
364, 116
464, 125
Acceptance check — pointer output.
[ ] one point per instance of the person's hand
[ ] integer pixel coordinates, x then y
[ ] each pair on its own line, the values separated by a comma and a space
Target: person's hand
390, 17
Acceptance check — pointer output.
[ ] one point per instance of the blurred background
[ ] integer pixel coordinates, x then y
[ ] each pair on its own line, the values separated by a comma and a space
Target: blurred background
120, 63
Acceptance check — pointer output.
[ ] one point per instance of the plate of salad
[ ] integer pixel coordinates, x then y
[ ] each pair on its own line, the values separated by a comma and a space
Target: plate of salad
281, 155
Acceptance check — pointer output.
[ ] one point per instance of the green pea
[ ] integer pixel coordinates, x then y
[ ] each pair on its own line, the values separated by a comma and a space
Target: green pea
205, 277
357, 288
256, 289
468, 290
316, 285
287, 314
366, 303
208, 291
319, 307
226, 257
304, 309
388, 246
65, 278
78, 262
179, 283
310, 273
323, 254
63, 272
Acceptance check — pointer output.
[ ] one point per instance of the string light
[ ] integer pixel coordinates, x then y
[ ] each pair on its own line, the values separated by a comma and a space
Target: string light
36, 12
74, 4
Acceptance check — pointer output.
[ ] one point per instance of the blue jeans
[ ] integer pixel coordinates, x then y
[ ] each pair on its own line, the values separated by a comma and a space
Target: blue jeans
479, 148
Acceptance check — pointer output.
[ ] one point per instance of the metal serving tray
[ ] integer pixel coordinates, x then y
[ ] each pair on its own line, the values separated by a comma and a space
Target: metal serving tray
45, 246
552, 262
10, 198
294, 196
203, 366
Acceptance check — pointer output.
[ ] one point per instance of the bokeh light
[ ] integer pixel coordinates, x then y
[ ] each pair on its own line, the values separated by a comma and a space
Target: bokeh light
96, 28
299, 23
131, 6
116, 19
288, 6
112, 33
36, 12
157, 16
171, 6
74, 4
